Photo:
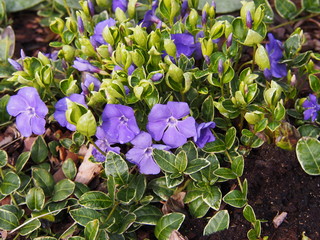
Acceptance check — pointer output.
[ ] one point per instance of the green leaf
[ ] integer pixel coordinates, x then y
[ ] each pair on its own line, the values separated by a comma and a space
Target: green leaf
22, 160
235, 198
249, 214
286, 9
207, 109
80, 189
39, 150
84, 215
196, 165
148, 215
191, 150
181, 161
268, 13
126, 222
69, 168
91, 229
237, 165
8, 220
225, 173
116, 167
30, 227
4, 116
198, 208
311, 5
309, 130
126, 195
15, 210
167, 224
70, 3
160, 188
95, 200
212, 196
3, 158
35, 199
63, 189
139, 183
215, 147
165, 160
308, 150
43, 179
19, 5
230, 137
46, 238
220, 221
87, 124
314, 83
11, 182
223, 6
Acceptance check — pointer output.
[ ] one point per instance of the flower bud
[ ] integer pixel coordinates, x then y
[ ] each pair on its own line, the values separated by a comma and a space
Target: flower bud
170, 47
156, 77
220, 67
85, 7
57, 26
91, 7
80, 25
207, 59
229, 40
22, 54
71, 24
212, 10
204, 17
249, 19
15, 64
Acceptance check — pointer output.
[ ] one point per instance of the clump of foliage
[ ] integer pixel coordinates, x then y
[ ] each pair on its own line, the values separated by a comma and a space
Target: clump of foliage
156, 89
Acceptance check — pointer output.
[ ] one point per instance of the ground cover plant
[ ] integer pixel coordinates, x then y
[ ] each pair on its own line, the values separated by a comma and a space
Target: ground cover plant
159, 103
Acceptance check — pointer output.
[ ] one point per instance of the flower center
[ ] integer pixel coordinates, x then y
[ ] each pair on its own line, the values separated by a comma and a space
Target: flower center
31, 111
123, 119
149, 151
172, 121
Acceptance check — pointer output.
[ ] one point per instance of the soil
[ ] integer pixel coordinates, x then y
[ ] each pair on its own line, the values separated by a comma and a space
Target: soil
276, 181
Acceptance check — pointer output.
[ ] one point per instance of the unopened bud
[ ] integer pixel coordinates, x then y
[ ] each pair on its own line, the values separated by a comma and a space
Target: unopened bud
80, 25
249, 19
229, 40
207, 59
193, 18
204, 17
220, 66
91, 7
156, 77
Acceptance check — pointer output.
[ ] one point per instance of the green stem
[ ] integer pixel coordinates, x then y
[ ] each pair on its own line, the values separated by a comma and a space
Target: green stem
293, 21
13, 200
180, 189
112, 210
230, 159
253, 57
67, 7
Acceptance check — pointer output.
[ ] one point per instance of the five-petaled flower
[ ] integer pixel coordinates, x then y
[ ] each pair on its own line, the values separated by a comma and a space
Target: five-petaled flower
85, 66
119, 123
103, 144
90, 83
165, 123
29, 110
204, 134
312, 108
274, 49
122, 4
61, 108
141, 153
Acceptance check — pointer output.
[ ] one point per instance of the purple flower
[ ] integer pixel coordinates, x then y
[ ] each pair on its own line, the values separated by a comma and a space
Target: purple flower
274, 49
85, 66
156, 77
97, 39
90, 80
119, 123
91, 7
17, 66
150, 17
141, 153
184, 8
131, 68
29, 110
104, 144
184, 43
122, 4
204, 134
61, 108
249, 19
312, 108
164, 122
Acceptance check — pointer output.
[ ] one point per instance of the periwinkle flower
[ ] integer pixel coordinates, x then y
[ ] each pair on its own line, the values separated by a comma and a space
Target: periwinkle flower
204, 134
97, 39
141, 153
312, 108
122, 4
29, 110
150, 17
83, 65
156, 77
88, 81
104, 144
131, 68
17, 66
61, 108
249, 19
204, 17
91, 7
229, 40
165, 123
119, 123
184, 43
274, 50
184, 8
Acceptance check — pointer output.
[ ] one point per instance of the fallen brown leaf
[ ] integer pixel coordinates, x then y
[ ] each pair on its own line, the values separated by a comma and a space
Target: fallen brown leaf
175, 235
174, 204
277, 221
